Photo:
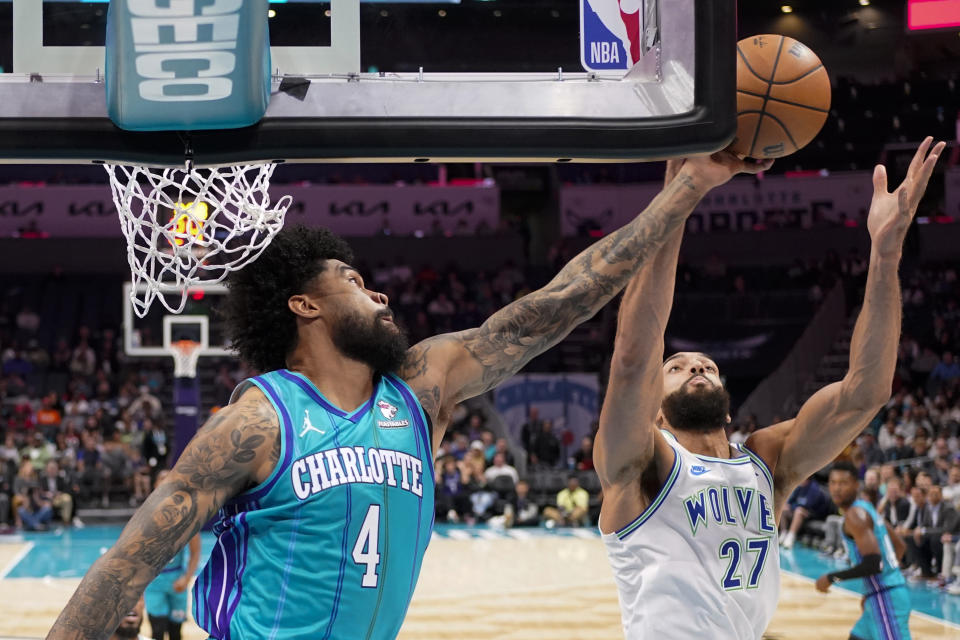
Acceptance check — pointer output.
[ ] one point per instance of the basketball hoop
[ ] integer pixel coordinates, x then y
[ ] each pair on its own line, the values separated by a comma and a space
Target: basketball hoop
190, 225
185, 355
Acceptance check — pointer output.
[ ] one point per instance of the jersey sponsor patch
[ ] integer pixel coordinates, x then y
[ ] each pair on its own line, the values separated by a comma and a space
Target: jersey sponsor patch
389, 412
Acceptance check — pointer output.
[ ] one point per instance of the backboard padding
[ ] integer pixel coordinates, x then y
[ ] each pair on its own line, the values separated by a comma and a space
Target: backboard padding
680, 100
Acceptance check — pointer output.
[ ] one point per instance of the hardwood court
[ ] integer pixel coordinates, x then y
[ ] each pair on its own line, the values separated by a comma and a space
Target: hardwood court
505, 588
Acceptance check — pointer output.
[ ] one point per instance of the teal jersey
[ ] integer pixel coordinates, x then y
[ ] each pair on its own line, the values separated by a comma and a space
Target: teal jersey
330, 545
889, 575
177, 563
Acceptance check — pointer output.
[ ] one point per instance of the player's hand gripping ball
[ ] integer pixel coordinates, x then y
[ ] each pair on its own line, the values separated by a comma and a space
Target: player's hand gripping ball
783, 96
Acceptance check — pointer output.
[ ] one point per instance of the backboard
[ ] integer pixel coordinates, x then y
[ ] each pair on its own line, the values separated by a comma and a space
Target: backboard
158, 331
366, 80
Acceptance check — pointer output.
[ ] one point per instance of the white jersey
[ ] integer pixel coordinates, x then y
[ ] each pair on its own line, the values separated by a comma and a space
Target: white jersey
702, 560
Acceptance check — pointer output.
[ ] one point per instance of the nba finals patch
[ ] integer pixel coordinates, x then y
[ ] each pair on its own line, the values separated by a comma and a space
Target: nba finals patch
389, 412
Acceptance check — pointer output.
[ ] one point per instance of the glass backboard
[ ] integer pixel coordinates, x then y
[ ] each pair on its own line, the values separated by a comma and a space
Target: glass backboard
556, 80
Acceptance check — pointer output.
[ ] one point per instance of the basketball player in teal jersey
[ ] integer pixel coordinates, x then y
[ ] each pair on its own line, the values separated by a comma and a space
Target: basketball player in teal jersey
689, 521
166, 596
875, 550
320, 471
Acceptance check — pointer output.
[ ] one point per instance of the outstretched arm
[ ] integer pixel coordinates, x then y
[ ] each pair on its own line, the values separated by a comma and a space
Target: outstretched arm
235, 450
625, 441
836, 414
449, 368
180, 584
899, 546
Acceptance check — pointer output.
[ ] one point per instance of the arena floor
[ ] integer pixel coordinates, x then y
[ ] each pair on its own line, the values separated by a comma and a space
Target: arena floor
475, 583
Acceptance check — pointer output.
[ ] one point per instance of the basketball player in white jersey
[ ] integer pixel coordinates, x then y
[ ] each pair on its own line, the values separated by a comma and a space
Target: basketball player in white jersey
689, 520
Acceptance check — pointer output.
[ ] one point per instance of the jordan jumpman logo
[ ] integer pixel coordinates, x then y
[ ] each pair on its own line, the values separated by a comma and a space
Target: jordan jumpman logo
309, 427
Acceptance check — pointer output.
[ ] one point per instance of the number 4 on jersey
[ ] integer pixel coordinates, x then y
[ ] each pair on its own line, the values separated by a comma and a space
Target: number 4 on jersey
365, 551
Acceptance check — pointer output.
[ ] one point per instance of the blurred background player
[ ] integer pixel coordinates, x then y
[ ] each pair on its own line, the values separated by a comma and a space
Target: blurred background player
874, 550
166, 596
664, 460
129, 628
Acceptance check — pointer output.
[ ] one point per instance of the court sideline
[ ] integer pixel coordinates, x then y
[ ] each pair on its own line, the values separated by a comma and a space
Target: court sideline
486, 584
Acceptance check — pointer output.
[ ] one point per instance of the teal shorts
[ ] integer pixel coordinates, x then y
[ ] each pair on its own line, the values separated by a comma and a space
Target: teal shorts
162, 601
885, 616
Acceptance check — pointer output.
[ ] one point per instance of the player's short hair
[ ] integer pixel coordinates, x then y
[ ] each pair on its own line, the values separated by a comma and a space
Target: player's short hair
259, 324
847, 467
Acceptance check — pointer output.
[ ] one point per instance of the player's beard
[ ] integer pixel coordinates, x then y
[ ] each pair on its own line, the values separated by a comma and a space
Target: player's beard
702, 410
127, 632
380, 345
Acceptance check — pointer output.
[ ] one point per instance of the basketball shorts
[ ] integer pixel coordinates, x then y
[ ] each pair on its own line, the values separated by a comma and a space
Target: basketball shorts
885, 616
162, 601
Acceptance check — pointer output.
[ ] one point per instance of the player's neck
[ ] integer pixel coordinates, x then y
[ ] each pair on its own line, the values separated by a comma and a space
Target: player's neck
346, 383
712, 443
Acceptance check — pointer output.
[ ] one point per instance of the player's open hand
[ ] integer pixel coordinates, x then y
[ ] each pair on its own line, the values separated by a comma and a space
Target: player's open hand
823, 583
892, 212
713, 170
180, 584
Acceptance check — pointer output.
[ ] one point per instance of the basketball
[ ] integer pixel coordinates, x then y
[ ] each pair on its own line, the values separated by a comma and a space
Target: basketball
783, 96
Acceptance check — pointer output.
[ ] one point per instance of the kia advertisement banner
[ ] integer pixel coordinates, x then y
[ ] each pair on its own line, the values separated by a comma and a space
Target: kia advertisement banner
743, 204
352, 210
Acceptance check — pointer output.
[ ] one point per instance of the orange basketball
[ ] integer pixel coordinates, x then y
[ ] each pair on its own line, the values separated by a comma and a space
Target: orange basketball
783, 96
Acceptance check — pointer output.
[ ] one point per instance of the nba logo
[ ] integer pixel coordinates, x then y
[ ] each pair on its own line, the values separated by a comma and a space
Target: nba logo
610, 33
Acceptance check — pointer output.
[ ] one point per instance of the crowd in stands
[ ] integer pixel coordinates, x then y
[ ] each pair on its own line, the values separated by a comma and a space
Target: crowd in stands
77, 427
478, 479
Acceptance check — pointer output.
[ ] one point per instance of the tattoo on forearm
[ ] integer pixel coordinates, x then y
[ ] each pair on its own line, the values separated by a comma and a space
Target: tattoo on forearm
524, 329
219, 463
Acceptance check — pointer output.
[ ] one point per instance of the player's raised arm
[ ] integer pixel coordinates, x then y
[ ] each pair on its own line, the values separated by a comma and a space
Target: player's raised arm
625, 441
468, 363
235, 450
833, 416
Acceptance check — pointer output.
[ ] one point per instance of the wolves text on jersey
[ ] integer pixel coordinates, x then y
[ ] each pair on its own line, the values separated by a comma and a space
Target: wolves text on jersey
728, 506
344, 465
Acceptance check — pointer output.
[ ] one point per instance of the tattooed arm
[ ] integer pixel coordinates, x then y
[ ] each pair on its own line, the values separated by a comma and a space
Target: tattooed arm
237, 449
449, 368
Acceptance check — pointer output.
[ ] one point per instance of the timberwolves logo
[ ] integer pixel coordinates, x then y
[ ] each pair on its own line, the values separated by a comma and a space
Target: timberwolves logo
390, 412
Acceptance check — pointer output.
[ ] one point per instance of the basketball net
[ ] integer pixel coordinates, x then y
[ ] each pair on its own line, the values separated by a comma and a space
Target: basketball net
185, 355
190, 225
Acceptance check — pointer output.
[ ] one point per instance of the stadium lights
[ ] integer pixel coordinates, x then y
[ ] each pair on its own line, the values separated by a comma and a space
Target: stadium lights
864, 3
271, 13
786, 8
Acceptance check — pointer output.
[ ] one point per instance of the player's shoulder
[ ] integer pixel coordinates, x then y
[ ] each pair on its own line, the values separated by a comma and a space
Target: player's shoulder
767, 444
249, 411
857, 517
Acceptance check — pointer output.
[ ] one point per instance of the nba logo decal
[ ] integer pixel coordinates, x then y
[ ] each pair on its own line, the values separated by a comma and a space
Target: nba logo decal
610, 33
